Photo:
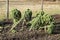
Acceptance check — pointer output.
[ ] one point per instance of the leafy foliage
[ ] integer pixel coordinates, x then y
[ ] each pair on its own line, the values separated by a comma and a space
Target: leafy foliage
41, 20
28, 15
36, 22
13, 31
50, 28
24, 17
16, 14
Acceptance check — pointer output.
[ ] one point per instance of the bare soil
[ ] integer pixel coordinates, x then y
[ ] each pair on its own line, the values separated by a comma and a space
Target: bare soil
30, 35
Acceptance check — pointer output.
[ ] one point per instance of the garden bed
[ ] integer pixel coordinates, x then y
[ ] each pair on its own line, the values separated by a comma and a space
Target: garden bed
30, 35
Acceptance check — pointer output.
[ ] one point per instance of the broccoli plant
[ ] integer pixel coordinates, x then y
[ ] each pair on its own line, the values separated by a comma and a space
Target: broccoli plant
42, 20
28, 15
16, 14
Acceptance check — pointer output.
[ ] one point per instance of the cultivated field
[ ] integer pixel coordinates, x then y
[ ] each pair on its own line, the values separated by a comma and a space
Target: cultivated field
49, 8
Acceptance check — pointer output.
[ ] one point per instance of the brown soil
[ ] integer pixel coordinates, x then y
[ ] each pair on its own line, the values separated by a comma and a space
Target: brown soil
30, 35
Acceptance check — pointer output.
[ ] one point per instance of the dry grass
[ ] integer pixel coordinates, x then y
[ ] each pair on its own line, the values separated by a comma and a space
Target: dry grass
35, 7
